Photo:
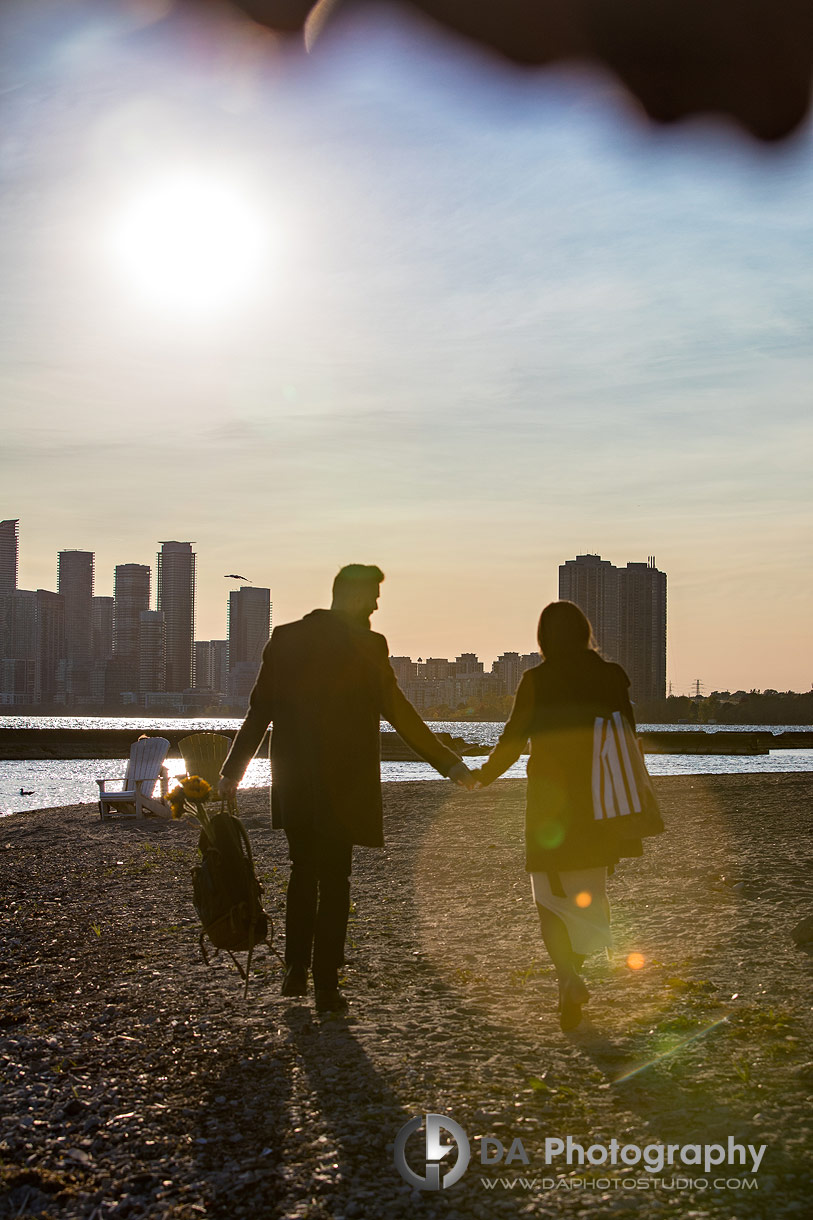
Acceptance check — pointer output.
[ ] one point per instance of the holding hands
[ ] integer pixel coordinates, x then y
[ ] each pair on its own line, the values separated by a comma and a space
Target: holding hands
463, 777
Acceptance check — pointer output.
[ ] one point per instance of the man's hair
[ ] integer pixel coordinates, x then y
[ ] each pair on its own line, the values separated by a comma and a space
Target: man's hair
355, 574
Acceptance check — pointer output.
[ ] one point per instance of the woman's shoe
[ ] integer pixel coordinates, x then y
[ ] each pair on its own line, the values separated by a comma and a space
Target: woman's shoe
330, 999
572, 996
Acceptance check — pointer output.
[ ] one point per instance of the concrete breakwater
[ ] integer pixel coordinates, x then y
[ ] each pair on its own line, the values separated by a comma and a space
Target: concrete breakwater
62, 743
724, 741
49, 743
669, 741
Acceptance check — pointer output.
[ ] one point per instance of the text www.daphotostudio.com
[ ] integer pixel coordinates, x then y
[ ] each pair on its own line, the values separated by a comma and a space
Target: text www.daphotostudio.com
423, 1169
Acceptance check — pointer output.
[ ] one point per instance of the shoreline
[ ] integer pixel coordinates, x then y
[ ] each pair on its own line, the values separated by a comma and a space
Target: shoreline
251, 796
67, 744
137, 1082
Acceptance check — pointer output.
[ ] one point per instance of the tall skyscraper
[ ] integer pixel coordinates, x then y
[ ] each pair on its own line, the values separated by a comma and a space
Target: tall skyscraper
9, 549
131, 595
75, 584
627, 608
592, 583
18, 647
249, 632
152, 651
50, 631
176, 597
103, 611
642, 628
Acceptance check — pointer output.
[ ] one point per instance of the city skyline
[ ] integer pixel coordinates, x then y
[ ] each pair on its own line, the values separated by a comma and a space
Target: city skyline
494, 322
248, 616
76, 649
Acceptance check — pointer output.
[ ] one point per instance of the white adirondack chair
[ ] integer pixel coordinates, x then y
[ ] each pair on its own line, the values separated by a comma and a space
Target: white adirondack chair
135, 798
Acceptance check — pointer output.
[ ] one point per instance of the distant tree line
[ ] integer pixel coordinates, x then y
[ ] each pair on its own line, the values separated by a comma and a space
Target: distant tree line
498, 708
725, 707
720, 707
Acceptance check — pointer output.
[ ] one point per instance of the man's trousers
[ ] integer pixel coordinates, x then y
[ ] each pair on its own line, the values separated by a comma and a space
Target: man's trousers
317, 905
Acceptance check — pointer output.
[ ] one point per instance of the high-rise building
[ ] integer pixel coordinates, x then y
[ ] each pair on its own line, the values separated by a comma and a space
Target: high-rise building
75, 584
642, 628
176, 597
152, 651
435, 668
131, 595
249, 625
18, 647
467, 664
102, 642
9, 549
212, 665
509, 668
592, 583
32, 646
249, 632
50, 638
405, 669
627, 608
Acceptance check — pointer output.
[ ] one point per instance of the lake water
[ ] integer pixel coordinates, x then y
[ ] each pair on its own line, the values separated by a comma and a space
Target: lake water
71, 782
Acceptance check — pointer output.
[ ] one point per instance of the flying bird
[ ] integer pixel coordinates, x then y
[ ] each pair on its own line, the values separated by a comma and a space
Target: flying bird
234, 576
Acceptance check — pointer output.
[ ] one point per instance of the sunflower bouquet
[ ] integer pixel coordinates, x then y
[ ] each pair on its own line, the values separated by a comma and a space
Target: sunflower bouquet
190, 795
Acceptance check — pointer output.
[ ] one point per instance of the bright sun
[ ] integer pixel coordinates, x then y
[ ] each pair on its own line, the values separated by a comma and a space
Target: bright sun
190, 242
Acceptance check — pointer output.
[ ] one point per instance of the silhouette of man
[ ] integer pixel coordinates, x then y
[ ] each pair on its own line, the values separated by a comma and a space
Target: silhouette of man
325, 683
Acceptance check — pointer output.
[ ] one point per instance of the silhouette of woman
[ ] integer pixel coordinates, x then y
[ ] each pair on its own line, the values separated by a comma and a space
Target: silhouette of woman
567, 851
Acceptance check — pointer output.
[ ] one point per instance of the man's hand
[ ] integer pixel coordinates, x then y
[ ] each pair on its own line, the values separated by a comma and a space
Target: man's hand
227, 789
462, 776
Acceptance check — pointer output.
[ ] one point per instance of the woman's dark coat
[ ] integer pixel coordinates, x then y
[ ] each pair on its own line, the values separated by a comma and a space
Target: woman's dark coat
326, 684
555, 706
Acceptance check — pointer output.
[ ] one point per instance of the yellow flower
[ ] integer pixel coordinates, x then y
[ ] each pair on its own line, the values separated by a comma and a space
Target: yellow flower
196, 788
176, 801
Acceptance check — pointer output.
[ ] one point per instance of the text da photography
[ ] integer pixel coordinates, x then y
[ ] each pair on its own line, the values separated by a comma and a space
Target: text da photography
433, 1152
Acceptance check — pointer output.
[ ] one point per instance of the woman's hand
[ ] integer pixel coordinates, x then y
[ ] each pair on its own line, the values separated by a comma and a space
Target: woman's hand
476, 772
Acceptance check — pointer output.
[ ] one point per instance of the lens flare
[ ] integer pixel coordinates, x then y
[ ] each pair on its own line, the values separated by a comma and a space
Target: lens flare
671, 1050
635, 961
550, 834
584, 898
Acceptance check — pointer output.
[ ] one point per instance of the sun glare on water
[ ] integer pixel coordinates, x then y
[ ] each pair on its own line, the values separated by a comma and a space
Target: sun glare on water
190, 243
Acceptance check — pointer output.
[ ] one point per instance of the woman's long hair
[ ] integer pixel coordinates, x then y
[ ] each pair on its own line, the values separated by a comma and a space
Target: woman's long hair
564, 632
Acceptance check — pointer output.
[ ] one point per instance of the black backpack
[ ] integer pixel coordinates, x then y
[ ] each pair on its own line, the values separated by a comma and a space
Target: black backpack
226, 892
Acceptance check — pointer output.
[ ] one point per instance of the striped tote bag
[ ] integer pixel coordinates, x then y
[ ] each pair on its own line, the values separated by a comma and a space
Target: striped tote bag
623, 796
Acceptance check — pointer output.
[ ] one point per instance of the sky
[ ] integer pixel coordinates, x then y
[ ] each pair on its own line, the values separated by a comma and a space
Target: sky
461, 321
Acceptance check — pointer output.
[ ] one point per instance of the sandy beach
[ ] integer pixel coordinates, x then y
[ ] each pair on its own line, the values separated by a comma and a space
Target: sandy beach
137, 1082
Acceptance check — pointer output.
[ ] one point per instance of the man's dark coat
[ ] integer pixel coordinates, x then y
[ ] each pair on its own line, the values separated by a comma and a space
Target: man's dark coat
325, 684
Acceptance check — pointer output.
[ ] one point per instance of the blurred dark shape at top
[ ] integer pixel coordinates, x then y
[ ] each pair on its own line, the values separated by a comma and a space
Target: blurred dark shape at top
749, 60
